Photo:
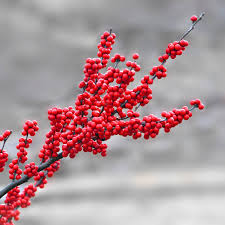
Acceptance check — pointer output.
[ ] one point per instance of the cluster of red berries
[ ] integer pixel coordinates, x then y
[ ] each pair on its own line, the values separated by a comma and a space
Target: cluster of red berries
143, 96
5, 135
91, 69
134, 65
8, 212
118, 58
3, 159
27, 194
13, 201
60, 120
150, 126
125, 77
22, 153
29, 191
3, 153
53, 168
40, 180
14, 170
158, 71
105, 47
197, 103
175, 48
105, 108
30, 128
175, 117
31, 169
13, 197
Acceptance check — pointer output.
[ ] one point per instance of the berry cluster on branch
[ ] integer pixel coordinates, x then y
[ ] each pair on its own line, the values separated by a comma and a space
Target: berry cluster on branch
104, 108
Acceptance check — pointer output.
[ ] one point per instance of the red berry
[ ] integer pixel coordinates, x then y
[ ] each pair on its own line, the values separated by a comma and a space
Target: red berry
201, 106
135, 56
194, 18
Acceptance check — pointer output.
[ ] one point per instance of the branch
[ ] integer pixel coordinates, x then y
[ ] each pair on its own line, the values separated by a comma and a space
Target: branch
193, 26
25, 178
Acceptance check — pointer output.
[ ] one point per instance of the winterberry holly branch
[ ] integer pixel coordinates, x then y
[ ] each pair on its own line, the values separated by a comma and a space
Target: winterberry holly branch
106, 107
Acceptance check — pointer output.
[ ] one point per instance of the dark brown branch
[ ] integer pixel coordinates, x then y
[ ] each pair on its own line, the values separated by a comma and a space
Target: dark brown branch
25, 178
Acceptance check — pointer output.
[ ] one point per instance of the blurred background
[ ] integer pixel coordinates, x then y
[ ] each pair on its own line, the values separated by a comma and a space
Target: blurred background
177, 178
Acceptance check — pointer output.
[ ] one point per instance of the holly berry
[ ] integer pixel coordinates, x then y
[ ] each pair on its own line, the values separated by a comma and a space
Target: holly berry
194, 18
135, 56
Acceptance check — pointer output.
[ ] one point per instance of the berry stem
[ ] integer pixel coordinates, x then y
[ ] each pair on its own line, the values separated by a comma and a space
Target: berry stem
4, 142
26, 178
154, 76
192, 26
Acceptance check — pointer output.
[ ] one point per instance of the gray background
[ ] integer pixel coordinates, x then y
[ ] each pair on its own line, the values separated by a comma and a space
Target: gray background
175, 179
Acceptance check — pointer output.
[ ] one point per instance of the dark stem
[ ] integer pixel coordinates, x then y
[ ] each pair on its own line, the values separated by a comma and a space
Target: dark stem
116, 64
25, 178
184, 35
3, 145
5, 141
192, 26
